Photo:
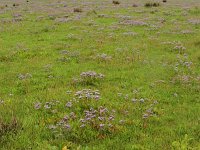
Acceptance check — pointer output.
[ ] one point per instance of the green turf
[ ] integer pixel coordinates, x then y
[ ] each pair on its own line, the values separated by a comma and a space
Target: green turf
139, 62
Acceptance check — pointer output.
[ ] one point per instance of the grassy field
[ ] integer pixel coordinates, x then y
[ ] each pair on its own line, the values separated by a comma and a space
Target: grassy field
93, 75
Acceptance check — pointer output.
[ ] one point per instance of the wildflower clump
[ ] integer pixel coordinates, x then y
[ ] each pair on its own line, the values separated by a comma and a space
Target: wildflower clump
88, 94
79, 116
91, 77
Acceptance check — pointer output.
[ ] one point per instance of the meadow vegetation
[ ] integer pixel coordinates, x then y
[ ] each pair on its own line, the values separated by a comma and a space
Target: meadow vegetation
99, 75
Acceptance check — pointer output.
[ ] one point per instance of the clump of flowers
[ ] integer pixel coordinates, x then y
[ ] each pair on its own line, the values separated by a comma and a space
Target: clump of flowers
37, 105
64, 59
149, 112
65, 121
48, 68
185, 79
82, 114
129, 33
1, 102
93, 122
64, 52
186, 32
72, 37
24, 76
68, 55
141, 100
133, 23
99, 119
69, 104
180, 48
184, 72
194, 21
88, 94
104, 57
47, 105
177, 46
183, 69
90, 77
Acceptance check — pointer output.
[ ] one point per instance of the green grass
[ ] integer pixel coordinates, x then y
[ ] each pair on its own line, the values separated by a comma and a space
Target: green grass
145, 65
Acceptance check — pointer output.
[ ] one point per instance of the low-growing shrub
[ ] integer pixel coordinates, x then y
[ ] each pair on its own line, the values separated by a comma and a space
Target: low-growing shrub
152, 4
134, 5
78, 10
15, 5
116, 2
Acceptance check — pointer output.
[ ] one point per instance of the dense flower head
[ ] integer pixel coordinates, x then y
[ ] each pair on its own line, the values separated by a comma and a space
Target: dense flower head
37, 105
67, 126
145, 116
91, 75
69, 104
88, 94
47, 105
1, 101
101, 117
24, 76
104, 57
52, 127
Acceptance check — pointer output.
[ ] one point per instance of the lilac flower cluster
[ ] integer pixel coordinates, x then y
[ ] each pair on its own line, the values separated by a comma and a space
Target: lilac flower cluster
62, 20
47, 105
104, 57
129, 33
180, 48
68, 92
183, 68
100, 118
184, 62
69, 104
88, 94
17, 18
134, 100
38, 105
64, 123
126, 96
24, 76
64, 59
183, 79
141, 100
133, 23
51, 104
67, 55
47, 68
176, 44
64, 52
91, 75
71, 54
72, 37
187, 32
97, 119
1, 102
194, 21
149, 112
